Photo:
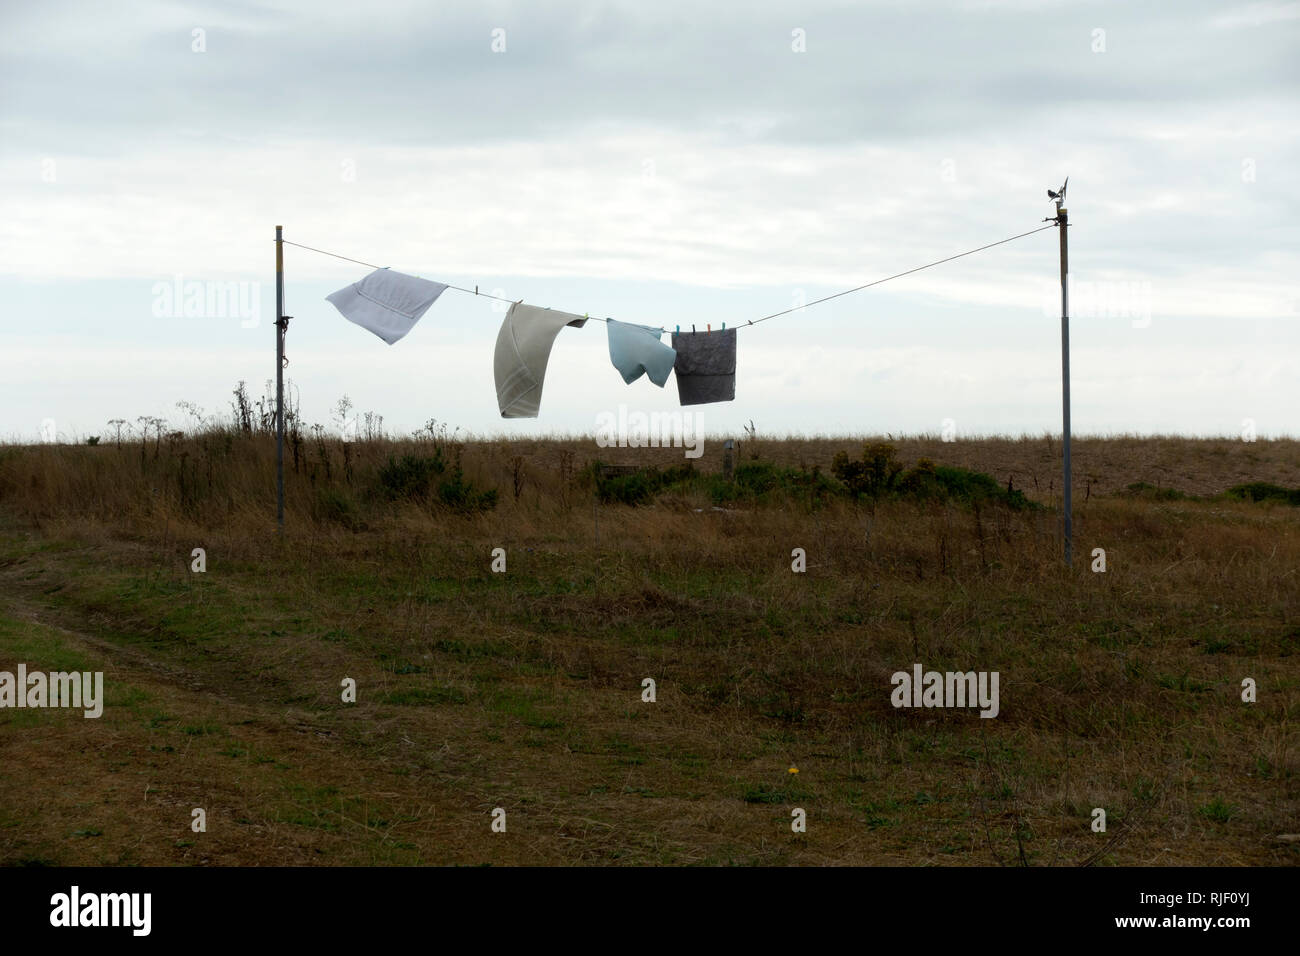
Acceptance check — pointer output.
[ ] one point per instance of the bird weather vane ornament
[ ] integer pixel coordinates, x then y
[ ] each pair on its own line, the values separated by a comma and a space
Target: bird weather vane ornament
1059, 197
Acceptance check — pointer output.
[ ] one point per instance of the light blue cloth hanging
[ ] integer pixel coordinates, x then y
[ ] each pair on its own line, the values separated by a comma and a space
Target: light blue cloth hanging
638, 350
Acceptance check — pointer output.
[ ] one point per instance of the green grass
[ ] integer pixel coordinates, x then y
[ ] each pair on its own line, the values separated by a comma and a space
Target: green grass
423, 697
1218, 811
522, 690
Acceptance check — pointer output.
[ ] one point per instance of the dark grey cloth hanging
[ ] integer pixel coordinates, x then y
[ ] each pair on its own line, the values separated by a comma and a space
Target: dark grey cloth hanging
706, 366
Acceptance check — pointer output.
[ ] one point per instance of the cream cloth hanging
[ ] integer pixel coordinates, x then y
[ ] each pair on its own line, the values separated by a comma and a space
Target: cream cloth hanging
523, 349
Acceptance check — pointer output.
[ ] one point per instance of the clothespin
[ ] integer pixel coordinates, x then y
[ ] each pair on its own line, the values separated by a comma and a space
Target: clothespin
692, 330
709, 326
724, 326
476, 290
679, 330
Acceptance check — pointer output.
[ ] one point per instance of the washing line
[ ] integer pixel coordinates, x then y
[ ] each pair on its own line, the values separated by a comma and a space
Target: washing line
774, 315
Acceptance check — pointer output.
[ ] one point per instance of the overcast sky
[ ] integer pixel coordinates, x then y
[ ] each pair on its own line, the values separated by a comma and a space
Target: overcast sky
667, 163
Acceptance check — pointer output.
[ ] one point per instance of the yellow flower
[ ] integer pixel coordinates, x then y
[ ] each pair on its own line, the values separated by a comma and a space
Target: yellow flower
794, 769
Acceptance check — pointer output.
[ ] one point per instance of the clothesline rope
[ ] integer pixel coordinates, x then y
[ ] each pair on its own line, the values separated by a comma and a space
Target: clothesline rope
373, 266
928, 265
899, 275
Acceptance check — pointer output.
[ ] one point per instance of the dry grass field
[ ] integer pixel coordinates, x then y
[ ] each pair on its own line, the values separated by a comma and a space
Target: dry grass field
522, 690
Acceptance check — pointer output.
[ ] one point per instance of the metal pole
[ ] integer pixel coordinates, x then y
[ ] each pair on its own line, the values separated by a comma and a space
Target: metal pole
280, 326
1062, 221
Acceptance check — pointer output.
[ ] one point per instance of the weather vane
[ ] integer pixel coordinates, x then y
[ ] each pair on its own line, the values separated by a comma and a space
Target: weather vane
1059, 197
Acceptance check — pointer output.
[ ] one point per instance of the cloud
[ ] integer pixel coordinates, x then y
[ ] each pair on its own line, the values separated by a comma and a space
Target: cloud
1256, 15
669, 162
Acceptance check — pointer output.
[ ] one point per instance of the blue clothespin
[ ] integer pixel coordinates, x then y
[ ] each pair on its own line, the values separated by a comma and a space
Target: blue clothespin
724, 326
679, 330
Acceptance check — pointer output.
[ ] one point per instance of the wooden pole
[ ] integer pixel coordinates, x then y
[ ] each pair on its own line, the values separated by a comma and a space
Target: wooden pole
281, 325
1062, 223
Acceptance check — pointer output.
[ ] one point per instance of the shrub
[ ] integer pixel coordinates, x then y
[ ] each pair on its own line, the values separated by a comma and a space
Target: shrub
634, 489
641, 486
1264, 491
410, 476
461, 496
421, 478
873, 475
879, 474
764, 481
1141, 489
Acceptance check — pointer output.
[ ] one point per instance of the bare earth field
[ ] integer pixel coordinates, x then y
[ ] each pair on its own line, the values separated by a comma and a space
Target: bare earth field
522, 690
